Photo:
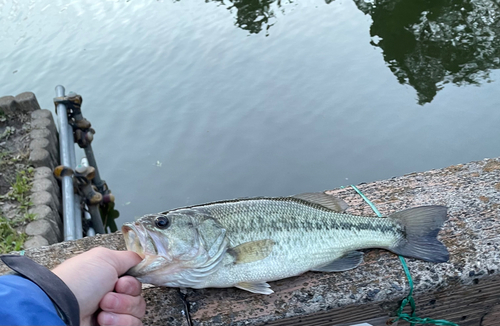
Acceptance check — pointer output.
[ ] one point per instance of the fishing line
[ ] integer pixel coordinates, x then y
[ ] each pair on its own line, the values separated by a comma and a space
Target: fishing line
411, 318
183, 296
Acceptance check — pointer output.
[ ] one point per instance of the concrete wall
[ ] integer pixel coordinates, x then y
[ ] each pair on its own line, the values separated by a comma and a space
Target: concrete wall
47, 228
464, 290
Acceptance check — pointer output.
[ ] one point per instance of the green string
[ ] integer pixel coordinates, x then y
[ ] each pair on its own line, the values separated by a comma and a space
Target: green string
411, 318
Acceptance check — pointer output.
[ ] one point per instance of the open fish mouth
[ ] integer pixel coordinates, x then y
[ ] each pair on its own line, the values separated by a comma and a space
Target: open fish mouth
137, 240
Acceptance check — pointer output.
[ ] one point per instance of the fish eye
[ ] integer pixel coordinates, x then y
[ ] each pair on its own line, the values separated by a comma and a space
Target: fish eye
162, 222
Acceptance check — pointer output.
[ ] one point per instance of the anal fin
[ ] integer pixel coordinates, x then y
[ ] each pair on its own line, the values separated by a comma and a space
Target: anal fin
260, 288
348, 261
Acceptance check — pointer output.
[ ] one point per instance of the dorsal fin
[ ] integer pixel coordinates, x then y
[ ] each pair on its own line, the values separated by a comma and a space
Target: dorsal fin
325, 200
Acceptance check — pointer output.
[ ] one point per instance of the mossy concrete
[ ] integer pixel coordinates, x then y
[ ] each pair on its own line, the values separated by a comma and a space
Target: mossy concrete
38, 141
463, 290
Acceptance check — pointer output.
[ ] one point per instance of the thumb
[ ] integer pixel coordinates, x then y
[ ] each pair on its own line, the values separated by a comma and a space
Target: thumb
122, 261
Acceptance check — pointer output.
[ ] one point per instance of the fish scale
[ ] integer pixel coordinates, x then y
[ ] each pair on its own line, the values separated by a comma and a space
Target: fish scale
248, 242
300, 231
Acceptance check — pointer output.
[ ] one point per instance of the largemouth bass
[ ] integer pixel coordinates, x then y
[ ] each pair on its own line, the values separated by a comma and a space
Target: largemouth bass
246, 243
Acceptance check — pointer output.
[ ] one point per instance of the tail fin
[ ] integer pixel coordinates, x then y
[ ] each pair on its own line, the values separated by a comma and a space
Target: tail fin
421, 226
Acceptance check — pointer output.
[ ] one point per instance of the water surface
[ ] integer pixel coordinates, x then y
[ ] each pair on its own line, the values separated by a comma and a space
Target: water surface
201, 101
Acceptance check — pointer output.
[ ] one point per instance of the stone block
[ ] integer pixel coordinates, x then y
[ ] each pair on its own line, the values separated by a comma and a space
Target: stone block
44, 172
45, 212
24, 102
43, 184
8, 105
46, 144
46, 198
45, 133
35, 242
43, 113
44, 228
41, 157
41, 123
27, 102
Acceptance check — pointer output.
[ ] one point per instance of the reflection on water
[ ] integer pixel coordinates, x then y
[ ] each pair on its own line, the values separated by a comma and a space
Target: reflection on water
191, 108
430, 43
426, 44
256, 15
253, 15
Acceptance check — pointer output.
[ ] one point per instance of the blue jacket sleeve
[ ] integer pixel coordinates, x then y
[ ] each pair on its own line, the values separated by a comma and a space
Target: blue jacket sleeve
24, 303
35, 295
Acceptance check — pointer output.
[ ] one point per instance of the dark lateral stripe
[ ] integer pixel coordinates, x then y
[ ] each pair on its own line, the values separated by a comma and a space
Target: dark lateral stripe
316, 223
285, 214
317, 226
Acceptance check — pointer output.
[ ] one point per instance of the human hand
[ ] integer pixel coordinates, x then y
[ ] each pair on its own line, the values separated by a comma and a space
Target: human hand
92, 277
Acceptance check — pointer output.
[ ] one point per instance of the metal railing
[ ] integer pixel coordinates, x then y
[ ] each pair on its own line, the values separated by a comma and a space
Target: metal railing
74, 128
65, 142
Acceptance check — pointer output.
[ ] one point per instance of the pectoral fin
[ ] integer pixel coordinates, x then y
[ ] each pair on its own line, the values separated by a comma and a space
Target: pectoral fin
328, 201
344, 263
251, 251
260, 288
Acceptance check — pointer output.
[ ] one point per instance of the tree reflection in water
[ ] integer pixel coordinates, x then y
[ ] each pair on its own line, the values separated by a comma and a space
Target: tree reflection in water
253, 15
426, 43
429, 43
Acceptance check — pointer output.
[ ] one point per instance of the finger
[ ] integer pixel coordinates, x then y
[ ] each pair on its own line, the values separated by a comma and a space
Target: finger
123, 304
122, 261
108, 318
128, 285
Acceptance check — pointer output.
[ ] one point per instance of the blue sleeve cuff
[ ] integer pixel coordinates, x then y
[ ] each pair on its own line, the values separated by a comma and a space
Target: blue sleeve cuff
56, 290
24, 303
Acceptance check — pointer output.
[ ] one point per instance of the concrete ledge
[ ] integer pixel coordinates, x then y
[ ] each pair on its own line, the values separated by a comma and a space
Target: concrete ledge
44, 228
45, 144
41, 157
36, 241
24, 102
41, 123
44, 212
27, 102
464, 290
44, 156
46, 198
42, 185
46, 193
8, 105
45, 133
46, 173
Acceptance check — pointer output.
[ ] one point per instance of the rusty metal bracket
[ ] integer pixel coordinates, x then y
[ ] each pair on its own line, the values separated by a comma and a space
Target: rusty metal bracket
87, 180
83, 179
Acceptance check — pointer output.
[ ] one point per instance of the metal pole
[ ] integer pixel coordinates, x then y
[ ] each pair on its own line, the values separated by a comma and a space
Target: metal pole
67, 181
89, 153
95, 216
78, 209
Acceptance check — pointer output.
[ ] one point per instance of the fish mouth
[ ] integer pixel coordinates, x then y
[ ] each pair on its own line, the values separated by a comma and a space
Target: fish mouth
137, 240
